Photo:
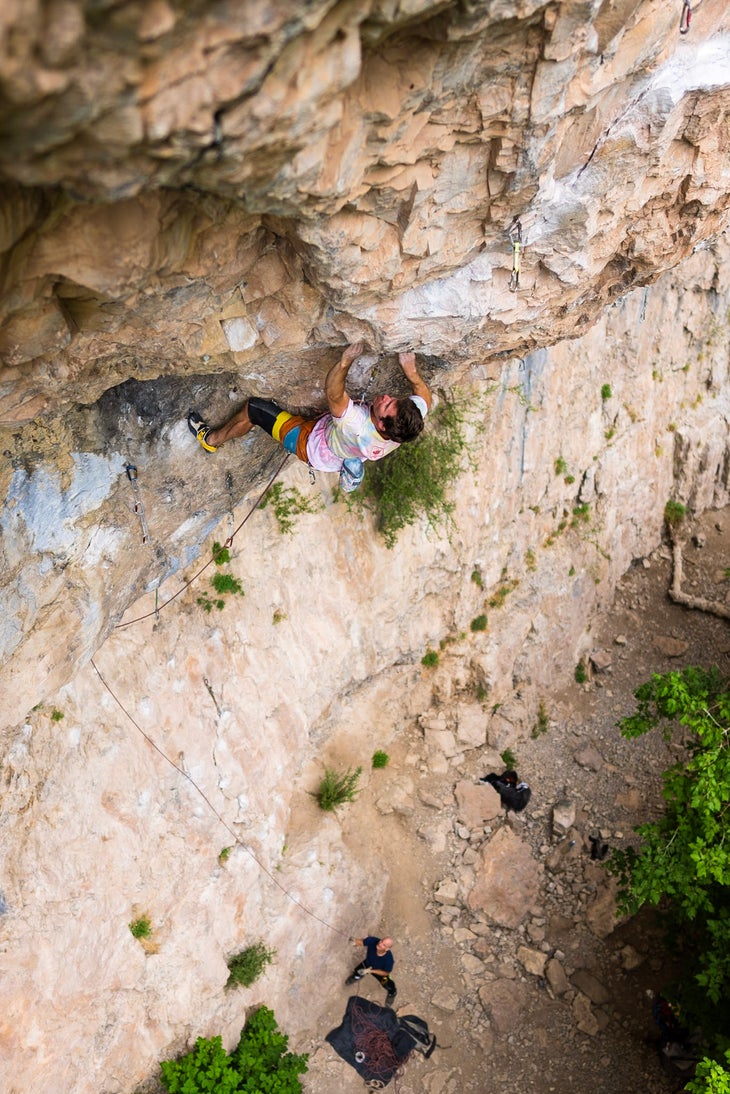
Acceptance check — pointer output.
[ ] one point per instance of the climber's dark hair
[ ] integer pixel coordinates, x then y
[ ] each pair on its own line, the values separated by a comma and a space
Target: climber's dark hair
406, 424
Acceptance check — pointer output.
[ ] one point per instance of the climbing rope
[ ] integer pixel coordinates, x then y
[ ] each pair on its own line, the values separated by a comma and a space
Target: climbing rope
158, 607
213, 810
515, 235
374, 1048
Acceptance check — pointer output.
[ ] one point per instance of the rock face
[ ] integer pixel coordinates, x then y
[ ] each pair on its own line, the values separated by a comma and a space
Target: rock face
204, 201
192, 189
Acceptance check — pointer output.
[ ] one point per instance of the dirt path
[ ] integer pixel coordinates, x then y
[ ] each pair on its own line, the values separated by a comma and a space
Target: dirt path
505, 1029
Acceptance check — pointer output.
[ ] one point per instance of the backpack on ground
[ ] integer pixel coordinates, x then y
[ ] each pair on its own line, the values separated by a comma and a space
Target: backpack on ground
417, 1030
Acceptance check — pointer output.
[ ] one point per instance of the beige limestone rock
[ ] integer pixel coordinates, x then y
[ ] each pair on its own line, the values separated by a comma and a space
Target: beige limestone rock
477, 804
507, 879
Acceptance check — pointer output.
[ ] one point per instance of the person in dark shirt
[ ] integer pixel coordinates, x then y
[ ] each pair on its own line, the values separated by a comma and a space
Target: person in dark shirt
514, 794
379, 961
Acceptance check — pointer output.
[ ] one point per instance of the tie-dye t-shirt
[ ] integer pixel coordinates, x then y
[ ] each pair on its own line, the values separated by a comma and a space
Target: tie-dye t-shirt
353, 435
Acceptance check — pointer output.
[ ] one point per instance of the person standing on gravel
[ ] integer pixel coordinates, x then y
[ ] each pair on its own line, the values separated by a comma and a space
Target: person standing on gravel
379, 961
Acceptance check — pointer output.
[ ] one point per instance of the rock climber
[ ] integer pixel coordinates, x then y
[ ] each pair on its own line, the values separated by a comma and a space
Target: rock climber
379, 961
341, 439
514, 794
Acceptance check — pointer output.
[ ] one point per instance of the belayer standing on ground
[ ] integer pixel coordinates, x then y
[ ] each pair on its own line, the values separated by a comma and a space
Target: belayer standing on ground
379, 961
340, 440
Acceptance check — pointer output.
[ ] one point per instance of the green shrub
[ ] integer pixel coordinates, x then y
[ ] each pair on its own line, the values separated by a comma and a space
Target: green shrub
499, 597
141, 928
606, 392
508, 759
221, 555
224, 584
560, 466
477, 579
336, 788
259, 1063
430, 659
246, 967
479, 624
581, 674
224, 854
674, 513
380, 759
414, 481
288, 503
711, 1077
56, 715
227, 583
682, 862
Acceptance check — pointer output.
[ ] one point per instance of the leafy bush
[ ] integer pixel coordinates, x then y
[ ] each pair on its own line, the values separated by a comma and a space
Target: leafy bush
380, 759
508, 759
223, 583
288, 503
581, 673
430, 659
337, 788
682, 863
674, 513
711, 1077
259, 1064
141, 928
606, 392
413, 482
246, 967
479, 624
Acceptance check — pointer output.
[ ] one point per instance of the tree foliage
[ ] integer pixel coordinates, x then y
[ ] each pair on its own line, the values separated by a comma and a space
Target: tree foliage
682, 863
260, 1063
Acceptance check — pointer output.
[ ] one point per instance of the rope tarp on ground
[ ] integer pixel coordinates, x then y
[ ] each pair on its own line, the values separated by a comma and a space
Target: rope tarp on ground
371, 1040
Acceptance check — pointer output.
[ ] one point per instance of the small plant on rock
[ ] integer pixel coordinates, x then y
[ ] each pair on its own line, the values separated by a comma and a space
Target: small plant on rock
479, 624
56, 715
508, 758
288, 503
336, 788
380, 759
246, 967
141, 927
606, 392
581, 674
430, 659
674, 513
224, 584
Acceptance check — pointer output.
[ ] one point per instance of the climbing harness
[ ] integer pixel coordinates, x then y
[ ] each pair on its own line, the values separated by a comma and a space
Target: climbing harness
138, 506
685, 18
515, 235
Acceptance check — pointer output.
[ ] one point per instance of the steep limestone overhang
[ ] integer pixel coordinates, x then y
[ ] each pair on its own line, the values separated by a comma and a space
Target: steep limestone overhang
197, 205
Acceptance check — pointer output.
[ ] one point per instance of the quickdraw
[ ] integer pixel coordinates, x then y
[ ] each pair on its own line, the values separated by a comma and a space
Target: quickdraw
138, 506
515, 235
685, 18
